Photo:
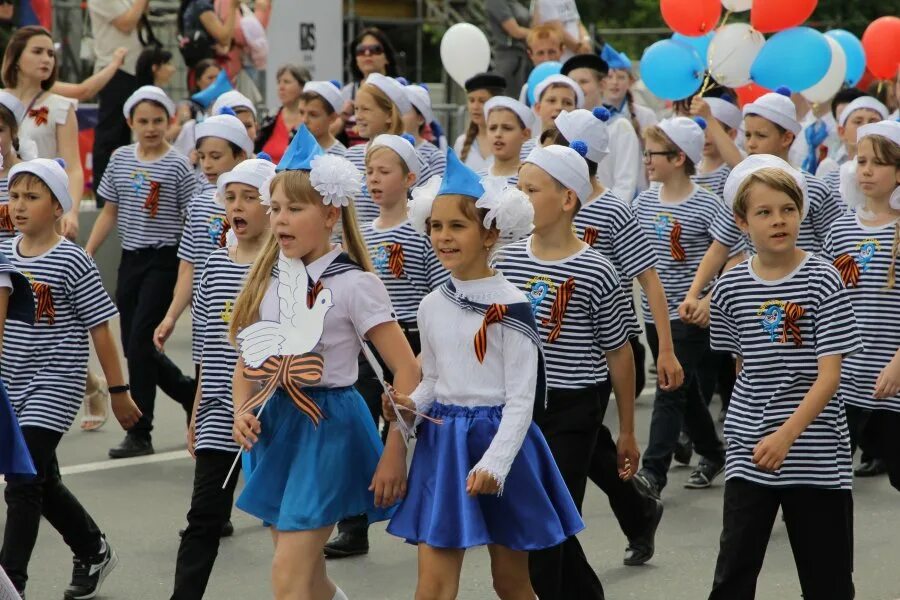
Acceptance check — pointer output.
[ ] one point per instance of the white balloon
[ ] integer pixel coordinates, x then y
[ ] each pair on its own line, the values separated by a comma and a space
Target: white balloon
833, 80
737, 5
731, 53
465, 52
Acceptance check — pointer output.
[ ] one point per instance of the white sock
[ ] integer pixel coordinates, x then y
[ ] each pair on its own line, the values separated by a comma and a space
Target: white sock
339, 594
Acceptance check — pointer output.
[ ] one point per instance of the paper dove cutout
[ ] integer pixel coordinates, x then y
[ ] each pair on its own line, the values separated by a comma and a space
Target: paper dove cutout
279, 353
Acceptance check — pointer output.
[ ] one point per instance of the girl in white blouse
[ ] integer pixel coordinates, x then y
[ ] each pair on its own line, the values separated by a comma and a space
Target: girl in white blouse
482, 473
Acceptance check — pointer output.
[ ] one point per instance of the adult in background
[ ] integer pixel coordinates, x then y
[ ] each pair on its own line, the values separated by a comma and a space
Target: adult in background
237, 56
508, 22
114, 24
276, 132
563, 15
203, 34
371, 52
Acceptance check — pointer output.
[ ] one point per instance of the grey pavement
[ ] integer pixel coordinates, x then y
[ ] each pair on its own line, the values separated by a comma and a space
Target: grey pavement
141, 507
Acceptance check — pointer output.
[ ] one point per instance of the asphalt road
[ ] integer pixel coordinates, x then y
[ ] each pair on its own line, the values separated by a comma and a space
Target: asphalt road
140, 504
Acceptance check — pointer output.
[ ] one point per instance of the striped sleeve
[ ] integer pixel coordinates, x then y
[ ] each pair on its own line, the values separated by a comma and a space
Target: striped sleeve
435, 161
824, 207
90, 300
723, 331
724, 230
187, 248
836, 329
107, 187
187, 187
632, 249
614, 319
437, 274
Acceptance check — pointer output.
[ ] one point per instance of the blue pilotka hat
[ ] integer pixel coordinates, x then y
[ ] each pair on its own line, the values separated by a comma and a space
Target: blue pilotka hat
614, 58
460, 179
300, 152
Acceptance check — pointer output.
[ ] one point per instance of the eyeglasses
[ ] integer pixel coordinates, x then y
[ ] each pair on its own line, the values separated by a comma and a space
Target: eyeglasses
369, 50
648, 156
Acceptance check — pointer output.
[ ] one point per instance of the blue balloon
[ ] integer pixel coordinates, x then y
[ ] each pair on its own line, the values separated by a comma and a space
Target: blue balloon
797, 58
540, 73
700, 44
672, 70
853, 49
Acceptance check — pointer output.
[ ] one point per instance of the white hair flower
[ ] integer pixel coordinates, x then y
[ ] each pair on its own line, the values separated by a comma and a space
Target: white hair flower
336, 179
895, 199
265, 193
851, 193
509, 209
419, 206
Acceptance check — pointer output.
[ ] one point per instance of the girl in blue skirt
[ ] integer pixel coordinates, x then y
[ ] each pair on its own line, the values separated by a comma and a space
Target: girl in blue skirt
314, 452
482, 473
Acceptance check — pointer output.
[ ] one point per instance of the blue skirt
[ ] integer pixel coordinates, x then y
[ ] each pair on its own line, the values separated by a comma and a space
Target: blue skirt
535, 510
299, 476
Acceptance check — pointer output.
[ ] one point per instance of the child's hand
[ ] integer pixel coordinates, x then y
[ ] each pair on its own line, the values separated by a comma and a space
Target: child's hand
687, 308
700, 318
401, 400
669, 373
191, 439
770, 452
162, 333
246, 430
629, 455
700, 108
126, 411
888, 382
482, 482
389, 482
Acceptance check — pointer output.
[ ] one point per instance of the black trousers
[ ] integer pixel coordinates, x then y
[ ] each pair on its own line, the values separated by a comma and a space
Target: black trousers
112, 130
45, 495
570, 425
632, 509
683, 407
718, 375
370, 389
883, 430
210, 510
819, 523
146, 281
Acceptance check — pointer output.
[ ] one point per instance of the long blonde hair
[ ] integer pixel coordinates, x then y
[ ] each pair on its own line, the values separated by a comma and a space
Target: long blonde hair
296, 186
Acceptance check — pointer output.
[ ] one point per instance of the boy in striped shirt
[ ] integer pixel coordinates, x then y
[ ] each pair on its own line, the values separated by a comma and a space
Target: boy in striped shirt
786, 315
585, 321
44, 370
147, 187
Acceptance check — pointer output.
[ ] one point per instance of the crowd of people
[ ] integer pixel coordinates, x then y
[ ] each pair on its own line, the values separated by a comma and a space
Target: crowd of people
355, 281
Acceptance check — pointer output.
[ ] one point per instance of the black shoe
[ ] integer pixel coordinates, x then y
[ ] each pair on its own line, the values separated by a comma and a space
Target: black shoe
646, 484
88, 573
703, 475
640, 549
872, 468
684, 449
348, 543
227, 530
132, 445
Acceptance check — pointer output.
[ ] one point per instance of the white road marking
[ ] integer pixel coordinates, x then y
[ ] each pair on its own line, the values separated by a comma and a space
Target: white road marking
119, 463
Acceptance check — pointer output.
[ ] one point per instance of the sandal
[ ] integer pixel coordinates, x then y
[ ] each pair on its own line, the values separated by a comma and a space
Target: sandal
96, 406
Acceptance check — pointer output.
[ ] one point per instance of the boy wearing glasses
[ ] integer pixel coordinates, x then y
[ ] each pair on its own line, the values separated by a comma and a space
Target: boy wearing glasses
681, 219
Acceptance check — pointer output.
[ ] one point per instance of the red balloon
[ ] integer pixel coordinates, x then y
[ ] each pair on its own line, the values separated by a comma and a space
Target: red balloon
749, 93
692, 18
881, 41
769, 16
865, 81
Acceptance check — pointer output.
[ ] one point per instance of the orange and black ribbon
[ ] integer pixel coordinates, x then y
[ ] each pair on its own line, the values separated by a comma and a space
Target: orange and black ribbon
39, 115
494, 314
395, 262
223, 237
6, 223
558, 310
152, 201
290, 373
675, 243
44, 299
849, 270
312, 291
792, 314
590, 235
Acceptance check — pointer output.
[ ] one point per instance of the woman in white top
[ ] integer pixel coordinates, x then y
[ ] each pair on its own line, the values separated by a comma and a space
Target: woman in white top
29, 71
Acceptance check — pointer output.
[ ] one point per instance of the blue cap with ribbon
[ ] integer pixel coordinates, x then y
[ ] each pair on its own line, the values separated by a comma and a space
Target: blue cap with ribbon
614, 58
300, 152
460, 179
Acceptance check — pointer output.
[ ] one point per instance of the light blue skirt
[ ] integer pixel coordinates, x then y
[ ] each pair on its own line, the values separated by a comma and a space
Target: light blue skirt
299, 476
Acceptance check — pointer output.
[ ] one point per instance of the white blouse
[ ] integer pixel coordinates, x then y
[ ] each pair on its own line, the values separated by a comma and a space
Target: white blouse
474, 160
44, 134
451, 373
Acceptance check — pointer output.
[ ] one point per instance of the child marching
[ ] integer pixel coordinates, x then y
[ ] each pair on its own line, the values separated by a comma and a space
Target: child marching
44, 369
319, 106
509, 125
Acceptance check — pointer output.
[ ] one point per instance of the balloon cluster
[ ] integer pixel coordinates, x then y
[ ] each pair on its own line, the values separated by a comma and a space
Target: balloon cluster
737, 55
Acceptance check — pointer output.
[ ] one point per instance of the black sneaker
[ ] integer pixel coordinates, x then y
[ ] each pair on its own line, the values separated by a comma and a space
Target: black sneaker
640, 549
871, 468
88, 573
348, 543
703, 475
684, 449
646, 484
227, 530
133, 445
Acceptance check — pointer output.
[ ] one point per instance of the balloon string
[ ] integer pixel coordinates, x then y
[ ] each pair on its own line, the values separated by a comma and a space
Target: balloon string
706, 80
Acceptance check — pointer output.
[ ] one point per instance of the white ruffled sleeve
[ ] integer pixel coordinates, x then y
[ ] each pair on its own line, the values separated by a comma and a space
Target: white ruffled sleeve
59, 108
520, 365
423, 395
